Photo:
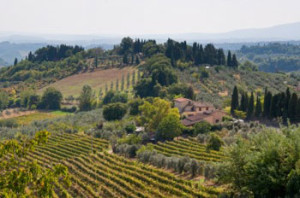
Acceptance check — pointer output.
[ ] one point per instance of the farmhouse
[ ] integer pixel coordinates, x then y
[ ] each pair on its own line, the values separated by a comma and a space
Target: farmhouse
197, 111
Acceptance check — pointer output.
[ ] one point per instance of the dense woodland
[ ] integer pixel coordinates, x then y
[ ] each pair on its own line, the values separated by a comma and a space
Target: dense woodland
273, 57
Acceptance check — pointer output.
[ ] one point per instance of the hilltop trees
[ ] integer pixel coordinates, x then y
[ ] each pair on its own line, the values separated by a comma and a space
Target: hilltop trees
52, 53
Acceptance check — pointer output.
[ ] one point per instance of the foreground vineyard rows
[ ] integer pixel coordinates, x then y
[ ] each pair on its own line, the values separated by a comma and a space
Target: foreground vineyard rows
100, 174
188, 147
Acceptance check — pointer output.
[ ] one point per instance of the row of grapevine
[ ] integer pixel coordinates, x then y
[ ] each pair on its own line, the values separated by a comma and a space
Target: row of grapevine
188, 147
96, 173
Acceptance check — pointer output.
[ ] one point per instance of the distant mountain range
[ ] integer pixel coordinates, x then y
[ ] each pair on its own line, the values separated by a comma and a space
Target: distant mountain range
19, 44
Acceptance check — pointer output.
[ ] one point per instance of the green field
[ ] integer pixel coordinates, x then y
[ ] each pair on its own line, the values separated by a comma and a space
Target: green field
40, 115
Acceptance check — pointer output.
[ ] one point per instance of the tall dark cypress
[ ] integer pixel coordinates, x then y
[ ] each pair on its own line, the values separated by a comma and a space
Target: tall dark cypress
258, 107
221, 57
267, 103
274, 106
16, 61
244, 102
298, 111
234, 100
250, 106
229, 62
292, 111
286, 105
234, 62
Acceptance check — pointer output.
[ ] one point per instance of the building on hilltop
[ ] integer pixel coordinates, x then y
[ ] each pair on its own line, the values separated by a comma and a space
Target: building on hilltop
194, 112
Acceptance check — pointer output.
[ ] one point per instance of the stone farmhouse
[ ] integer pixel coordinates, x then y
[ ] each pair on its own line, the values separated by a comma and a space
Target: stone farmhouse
194, 112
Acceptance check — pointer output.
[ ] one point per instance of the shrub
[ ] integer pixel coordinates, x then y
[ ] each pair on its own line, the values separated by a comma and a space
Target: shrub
130, 128
114, 111
130, 139
8, 123
134, 106
214, 143
51, 99
201, 127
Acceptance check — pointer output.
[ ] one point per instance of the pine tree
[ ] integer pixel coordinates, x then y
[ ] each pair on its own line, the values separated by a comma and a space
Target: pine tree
30, 56
234, 100
229, 63
16, 61
274, 106
250, 106
292, 111
258, 107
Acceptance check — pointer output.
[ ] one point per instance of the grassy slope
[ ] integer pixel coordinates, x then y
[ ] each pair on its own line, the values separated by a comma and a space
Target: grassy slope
219, 85
72, 85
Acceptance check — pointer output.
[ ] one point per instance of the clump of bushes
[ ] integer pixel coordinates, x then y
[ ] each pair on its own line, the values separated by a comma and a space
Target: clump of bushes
114, 111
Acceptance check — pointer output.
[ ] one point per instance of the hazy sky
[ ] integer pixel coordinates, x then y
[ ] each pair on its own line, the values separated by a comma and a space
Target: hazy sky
143, 16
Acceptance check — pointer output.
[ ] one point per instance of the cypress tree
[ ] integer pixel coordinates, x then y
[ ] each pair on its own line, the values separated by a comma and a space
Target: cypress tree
137, 60
286, 105
106, 88
123, 83
267, 104
234, 100
274, 106
133, 78
250, 106
298, 111
96, 61
258, 107
117, 85
125, 59
128, 80
229, 59
292, 111
244, 102
234, 62
16, 61
111, 85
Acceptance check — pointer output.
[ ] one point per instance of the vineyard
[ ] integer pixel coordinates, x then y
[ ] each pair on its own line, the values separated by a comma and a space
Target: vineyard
96, 173
188, 147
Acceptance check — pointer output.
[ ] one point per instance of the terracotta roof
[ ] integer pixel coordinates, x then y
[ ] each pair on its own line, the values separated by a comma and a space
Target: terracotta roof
199, 117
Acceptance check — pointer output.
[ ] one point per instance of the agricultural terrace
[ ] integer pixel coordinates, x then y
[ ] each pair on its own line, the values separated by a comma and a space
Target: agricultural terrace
95, 173
188, 147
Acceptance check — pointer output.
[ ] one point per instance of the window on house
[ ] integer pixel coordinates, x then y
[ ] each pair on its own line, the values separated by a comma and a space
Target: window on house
206, 108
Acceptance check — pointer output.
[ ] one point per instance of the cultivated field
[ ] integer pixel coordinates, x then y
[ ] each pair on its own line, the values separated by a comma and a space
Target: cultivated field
188, 147
27, 118
96, 173
97, 79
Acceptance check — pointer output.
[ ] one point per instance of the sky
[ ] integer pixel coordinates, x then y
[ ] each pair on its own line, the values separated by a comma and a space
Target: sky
134, 17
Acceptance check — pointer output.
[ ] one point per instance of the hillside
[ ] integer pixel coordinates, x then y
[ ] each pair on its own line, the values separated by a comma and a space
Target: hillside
218, 85
97, 79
